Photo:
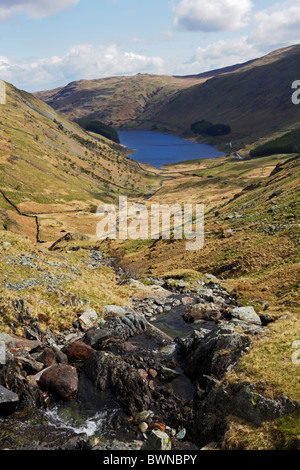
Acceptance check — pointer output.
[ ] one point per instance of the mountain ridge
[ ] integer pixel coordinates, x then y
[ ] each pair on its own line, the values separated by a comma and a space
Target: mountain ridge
254, 98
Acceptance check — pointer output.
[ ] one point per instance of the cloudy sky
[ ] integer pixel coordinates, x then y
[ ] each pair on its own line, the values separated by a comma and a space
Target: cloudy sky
49, 43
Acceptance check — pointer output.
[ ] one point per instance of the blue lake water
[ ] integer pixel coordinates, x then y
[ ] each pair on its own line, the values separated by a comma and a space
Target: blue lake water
161, 149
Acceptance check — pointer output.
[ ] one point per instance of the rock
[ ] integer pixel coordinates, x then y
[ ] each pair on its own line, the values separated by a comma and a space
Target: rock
158, 440
47, 357
88, 319
132, 283
160, 426
61, 357
153, 373
96, 338
166, 374
241, 400
181, 435
187, 301
79, 351
60, 380
116, 310
8, 401
167, 352
143, 416
30, 365
8, 340
246, 314
202, 311
214, 355
143, 427
111, 373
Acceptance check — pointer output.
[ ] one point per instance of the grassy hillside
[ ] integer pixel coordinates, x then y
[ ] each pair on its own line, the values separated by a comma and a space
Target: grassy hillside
116, 101
51, 167
254, 99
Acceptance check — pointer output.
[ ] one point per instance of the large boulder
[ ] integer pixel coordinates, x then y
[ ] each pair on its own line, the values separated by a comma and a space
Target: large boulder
60, 380
246, 314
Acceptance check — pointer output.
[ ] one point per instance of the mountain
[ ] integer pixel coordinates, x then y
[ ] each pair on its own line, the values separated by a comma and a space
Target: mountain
254, 98
54, 169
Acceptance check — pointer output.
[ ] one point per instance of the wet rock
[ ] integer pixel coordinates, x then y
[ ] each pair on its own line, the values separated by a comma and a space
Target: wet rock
246, 314
110, 372
181, 435
8, 401
78, 351
12, 377
158, 440
60, 380
166, 374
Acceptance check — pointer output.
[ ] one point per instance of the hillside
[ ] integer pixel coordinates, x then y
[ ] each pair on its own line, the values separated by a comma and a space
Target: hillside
70, 288
253, 98
52, 168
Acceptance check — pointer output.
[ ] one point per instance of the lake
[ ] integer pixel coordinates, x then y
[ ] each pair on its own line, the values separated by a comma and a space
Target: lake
161, 149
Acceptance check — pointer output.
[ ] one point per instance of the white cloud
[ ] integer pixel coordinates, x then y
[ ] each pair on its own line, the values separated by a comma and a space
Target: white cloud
277, 25
223, 53
212, 15
220, 54
82, 61
33, 8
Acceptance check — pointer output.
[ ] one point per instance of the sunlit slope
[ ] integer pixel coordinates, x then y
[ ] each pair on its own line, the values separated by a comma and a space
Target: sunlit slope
50, 165
253, 98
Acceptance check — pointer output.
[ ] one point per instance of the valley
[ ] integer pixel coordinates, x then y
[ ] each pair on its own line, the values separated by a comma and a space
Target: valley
195, 344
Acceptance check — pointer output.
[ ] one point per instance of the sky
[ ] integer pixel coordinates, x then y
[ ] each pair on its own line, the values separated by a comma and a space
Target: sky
46, 44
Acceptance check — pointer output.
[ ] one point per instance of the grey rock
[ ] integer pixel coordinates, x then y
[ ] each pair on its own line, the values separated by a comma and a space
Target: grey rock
88, 319
8, 401
158, 440
246, 314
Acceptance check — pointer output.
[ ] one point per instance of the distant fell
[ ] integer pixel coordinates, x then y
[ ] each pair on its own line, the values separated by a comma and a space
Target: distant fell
253, 98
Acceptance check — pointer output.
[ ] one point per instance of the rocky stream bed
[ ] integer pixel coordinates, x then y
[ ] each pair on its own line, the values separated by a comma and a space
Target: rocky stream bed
146, 377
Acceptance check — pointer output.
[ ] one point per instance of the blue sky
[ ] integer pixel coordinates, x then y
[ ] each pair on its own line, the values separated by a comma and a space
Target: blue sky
49, 43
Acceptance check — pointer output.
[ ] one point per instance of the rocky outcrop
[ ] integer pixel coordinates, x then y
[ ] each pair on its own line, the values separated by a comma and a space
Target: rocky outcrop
216, 353
109, 372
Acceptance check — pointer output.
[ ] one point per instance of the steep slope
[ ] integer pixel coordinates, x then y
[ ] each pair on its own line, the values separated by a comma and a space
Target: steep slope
253, 98
116, 100
51, 166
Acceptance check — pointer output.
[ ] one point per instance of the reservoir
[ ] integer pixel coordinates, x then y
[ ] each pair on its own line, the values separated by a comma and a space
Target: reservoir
162, 149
